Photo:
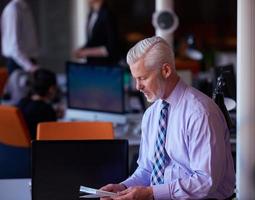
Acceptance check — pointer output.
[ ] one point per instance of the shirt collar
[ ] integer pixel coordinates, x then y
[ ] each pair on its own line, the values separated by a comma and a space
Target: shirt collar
177, 93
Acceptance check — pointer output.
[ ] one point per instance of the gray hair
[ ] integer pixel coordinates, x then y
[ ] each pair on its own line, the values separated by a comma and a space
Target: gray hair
155, 51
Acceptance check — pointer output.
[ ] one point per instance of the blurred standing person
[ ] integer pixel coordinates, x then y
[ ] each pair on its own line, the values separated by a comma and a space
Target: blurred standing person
19, 39
102, 35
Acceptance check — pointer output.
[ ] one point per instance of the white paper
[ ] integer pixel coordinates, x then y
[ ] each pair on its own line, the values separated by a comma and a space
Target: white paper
89, 196
95, 193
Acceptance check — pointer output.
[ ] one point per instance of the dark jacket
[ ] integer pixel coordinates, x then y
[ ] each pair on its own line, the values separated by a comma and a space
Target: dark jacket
104, 33
35, 112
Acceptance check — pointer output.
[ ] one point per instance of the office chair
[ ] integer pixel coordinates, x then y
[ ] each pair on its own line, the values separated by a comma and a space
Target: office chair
74, 130
14, 144
60, 167
3, 79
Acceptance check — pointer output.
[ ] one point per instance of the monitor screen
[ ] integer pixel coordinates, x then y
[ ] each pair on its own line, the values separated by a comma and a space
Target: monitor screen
59, 168
95, 93
95, 88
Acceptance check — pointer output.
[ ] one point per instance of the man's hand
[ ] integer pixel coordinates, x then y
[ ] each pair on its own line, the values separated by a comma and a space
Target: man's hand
113, 188
80, 53
135, 193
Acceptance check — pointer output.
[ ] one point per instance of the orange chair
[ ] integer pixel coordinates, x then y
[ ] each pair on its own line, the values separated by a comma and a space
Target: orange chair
13, 129
15, 144
74, 130
3, 79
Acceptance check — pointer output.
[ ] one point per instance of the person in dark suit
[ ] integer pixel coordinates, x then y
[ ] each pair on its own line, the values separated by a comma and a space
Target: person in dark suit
102, 36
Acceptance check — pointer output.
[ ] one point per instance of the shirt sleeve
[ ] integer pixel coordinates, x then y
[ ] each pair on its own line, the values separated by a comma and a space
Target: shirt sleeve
141, 177
206, 147
14, 28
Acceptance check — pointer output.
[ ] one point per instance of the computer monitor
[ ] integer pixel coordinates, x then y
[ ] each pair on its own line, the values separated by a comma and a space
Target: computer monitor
59, 168
95, 93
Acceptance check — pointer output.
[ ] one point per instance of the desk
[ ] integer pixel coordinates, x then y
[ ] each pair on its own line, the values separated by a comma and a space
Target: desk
132, 133
15, 189
129, 129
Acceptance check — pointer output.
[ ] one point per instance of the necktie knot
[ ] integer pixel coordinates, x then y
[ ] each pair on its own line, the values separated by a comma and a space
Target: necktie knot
165, 104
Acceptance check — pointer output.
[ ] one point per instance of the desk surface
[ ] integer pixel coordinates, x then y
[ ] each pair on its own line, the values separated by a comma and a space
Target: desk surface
130, 130
15, 189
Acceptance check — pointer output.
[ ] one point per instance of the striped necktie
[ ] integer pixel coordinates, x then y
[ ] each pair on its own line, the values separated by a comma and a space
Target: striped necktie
157, 176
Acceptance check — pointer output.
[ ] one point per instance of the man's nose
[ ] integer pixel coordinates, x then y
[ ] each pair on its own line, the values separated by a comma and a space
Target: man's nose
139, 86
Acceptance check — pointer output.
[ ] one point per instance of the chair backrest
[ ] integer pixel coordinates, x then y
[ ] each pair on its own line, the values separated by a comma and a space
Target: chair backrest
3, 79
13, 129
60, 167
74, 130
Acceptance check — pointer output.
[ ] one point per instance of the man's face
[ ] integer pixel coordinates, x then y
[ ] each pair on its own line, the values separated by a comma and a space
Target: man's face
148, 81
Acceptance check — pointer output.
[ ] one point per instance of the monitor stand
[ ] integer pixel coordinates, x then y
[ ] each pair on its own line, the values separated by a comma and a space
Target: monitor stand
84, 115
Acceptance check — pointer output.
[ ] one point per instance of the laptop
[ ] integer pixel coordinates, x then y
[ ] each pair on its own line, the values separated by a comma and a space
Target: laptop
60, 167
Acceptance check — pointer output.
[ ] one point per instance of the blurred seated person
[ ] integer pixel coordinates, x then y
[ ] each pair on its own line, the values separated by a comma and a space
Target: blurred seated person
102, 36
37, 107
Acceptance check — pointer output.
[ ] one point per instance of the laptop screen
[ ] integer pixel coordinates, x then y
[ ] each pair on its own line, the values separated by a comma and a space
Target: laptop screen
59, 168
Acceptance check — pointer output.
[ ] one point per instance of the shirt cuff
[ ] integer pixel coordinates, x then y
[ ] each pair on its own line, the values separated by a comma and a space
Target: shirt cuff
128, 183
161, 192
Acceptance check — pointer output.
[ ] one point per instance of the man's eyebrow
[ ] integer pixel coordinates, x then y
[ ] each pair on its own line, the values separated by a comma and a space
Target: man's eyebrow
142, 76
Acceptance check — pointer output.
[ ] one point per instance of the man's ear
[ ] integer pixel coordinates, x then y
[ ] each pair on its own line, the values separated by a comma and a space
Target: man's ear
166, 70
